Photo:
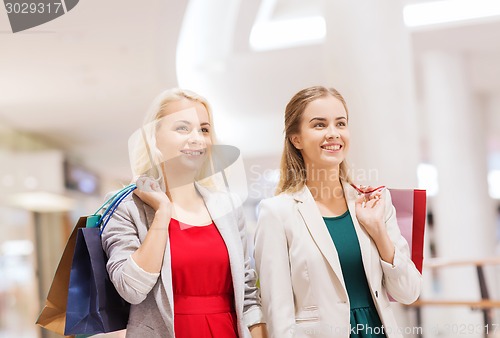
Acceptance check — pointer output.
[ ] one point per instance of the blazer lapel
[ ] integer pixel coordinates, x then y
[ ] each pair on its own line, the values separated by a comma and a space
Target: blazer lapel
363, 238
317, 228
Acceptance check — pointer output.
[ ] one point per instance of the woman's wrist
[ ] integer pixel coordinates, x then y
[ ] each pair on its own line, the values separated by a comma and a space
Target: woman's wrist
163, 209
162, 218
258, 330
385, 247
375, 229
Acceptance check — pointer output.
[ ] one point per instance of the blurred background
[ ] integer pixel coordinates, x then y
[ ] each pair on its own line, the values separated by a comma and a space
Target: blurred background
421, 80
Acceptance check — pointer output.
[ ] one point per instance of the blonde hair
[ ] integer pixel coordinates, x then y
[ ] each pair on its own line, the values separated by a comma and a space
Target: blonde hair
144, 154
292, 167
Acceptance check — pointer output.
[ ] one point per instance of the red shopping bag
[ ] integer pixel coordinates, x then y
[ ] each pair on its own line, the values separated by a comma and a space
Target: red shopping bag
411, 214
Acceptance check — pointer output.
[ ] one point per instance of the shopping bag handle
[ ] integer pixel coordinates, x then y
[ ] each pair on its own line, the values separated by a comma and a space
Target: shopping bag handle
111, 209
94, 220
113, 198
366, 192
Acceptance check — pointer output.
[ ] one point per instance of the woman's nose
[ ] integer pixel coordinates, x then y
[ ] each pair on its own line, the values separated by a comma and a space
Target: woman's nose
332, 132
195, 137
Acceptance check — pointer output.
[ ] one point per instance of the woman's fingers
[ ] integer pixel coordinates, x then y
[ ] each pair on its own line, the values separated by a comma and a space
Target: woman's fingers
372, 202
360, 199
369, 200
147, 184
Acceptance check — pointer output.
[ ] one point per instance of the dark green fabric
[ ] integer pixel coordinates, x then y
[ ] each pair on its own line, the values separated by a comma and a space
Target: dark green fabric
365, 321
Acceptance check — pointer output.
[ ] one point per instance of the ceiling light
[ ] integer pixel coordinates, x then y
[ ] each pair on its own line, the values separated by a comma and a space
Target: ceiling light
428, 178
17, 248
447, 11
42, 202
494, 183
280, 34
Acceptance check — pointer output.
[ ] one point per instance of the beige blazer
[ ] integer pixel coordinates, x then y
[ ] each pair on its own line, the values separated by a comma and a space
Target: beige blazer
301, 282
151, 294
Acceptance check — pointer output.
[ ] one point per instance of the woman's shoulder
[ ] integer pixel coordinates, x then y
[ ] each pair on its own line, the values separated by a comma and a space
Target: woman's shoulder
279, 201
220, 195
130, 212
129, 204
129, 198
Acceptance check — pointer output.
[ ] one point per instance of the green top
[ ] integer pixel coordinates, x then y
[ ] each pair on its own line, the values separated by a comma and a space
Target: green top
363, 310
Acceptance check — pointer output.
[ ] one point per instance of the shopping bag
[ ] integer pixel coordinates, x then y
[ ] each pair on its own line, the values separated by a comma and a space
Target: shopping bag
93, 304
53, 315
411, 214
73, 293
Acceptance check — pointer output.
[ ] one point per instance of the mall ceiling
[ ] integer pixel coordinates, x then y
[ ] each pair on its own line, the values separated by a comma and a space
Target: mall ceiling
84, 80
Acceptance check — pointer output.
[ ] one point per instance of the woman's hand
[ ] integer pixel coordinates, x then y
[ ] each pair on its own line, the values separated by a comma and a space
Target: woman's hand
370, 212
149, 256
149, 191
258, 330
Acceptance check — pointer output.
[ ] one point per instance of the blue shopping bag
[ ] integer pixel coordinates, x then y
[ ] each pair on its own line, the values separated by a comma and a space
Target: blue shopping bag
81, 299
93, 304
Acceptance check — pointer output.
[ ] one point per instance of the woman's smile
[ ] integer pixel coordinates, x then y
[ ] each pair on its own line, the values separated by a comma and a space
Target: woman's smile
324, 125
194, 152
332, 147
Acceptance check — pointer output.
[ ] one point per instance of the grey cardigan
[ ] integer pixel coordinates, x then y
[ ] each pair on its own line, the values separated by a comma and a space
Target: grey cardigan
151, 295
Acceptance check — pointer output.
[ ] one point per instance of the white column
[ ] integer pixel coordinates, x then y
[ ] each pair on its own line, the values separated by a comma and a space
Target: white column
464, 213
493, 128
51, 233
368, 59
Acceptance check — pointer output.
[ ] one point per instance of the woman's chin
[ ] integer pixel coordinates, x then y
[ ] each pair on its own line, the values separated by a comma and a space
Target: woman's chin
192, 163
184, 165
328, 162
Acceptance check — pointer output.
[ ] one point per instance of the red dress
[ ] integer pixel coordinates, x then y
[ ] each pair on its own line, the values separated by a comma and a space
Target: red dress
202, 283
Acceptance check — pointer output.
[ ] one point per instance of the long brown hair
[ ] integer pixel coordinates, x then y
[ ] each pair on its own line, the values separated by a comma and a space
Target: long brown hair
292, 167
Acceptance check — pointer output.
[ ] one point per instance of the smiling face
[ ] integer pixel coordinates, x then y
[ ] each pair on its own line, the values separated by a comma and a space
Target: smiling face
183, 134
323, 138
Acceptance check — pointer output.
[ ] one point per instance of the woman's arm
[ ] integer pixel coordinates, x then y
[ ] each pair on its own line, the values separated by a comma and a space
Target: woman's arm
120, 240
149, 256
402, 279
258, 331
252, 311
273, 267
378, 216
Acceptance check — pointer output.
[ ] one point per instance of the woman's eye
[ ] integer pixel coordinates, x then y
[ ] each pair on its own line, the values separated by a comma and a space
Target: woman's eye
342, 124
205, 130
319, 125
182, 128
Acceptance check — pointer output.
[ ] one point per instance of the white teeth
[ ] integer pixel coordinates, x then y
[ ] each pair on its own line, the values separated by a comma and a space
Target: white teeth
334, 147
192, 152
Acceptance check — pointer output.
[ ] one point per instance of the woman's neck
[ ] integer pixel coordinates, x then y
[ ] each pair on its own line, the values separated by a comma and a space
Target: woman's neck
188, 206
324, 183
180, 184
185, 195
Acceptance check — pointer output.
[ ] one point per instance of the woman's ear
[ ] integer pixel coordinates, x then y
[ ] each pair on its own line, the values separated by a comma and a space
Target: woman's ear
296, 141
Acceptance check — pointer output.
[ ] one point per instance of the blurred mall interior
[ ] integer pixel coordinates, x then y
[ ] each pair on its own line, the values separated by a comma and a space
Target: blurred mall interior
421, 79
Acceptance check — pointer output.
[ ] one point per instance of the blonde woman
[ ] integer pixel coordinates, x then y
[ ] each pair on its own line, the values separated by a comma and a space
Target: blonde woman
177, 249
327, 257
